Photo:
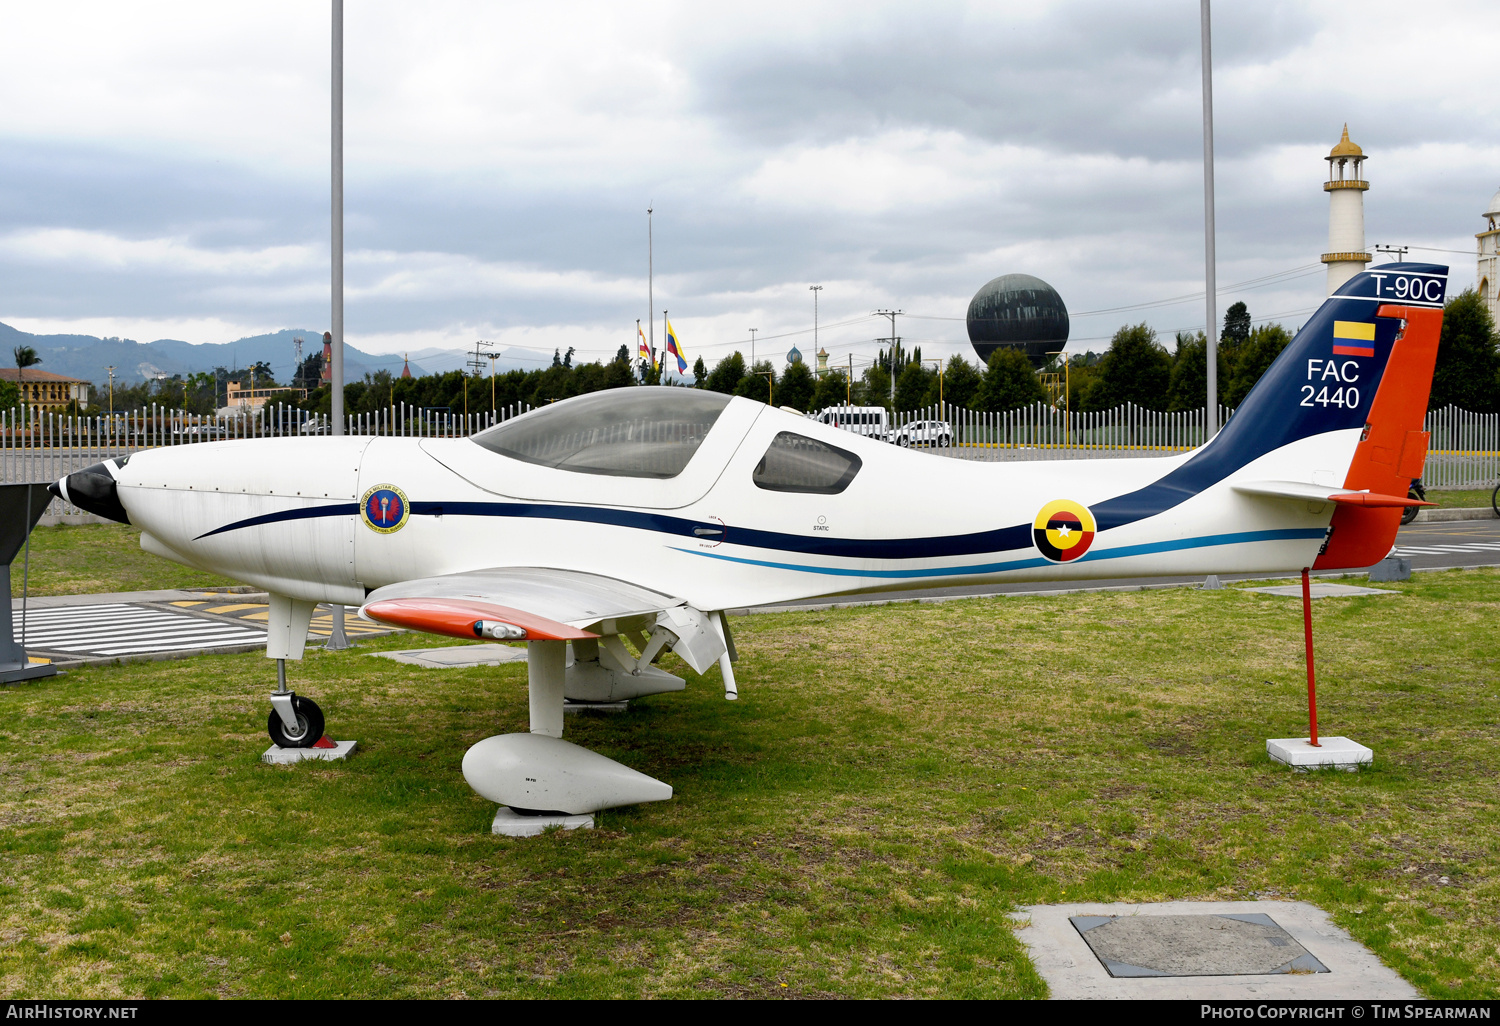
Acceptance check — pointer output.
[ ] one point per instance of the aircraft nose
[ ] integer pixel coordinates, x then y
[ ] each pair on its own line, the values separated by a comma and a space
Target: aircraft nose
92, 490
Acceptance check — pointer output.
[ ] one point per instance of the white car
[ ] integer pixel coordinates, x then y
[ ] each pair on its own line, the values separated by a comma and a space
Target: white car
923, 432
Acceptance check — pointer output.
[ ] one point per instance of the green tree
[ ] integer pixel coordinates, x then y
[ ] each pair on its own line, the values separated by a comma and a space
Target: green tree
1236, 326
961, 382
1009, 383
727, 374
759, 383
797, 387
1187, 389
832, 390
1254, 359
875, 387
700, 373
1135, 370
1468, 367
10, 395
912, 386
25, 357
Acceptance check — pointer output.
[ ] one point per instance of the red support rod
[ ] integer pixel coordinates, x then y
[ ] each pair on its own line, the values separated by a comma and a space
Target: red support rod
1312, 685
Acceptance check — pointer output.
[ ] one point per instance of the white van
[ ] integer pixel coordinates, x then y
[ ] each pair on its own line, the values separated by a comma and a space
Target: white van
862, 420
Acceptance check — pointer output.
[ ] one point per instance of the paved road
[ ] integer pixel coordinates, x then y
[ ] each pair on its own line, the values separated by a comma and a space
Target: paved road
73, 629
1428, 546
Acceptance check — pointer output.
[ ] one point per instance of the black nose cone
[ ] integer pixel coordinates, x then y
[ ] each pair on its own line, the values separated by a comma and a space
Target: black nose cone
93, 490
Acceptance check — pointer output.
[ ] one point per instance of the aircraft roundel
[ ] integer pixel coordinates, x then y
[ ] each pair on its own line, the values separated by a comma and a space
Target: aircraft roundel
384, 509
1063, 530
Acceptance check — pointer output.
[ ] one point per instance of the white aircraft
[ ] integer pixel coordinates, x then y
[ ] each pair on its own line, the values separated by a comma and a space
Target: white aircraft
608, 527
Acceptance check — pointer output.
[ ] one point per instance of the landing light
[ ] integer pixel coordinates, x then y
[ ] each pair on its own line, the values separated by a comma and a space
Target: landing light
498, 629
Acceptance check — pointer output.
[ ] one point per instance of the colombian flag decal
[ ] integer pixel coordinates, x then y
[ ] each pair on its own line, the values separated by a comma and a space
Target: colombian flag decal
1063, 530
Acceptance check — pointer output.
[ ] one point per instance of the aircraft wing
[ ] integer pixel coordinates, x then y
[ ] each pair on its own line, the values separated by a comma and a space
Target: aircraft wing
1307, 492
518, 603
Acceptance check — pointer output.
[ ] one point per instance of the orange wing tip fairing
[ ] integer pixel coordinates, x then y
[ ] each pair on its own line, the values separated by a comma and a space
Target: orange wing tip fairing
467, 618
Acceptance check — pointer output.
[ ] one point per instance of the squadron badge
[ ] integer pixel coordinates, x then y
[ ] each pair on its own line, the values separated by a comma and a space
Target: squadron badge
1063, 530
384, 509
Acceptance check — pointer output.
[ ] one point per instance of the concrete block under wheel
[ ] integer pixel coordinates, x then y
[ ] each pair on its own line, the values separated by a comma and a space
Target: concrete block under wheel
278, 756
1332, 753
510, 823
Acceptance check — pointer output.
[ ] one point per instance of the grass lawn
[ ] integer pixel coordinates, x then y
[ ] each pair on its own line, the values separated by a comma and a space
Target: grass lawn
90, 558
1460, 497
892, 783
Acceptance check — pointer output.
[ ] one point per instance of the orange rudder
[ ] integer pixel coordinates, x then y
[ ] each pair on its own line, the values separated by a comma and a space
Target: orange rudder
1393, 448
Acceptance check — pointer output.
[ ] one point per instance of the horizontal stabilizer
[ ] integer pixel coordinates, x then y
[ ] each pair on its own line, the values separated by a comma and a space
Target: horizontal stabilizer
1300, 491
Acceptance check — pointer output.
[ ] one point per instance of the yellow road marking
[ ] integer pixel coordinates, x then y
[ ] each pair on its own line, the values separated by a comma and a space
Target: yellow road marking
236, 607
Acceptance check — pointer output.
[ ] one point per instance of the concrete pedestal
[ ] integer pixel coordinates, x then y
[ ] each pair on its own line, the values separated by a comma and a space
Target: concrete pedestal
278, 756
510, 823
1391, 568
1332, 753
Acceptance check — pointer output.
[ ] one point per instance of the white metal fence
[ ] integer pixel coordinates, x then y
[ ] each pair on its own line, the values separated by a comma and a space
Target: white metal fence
36, 445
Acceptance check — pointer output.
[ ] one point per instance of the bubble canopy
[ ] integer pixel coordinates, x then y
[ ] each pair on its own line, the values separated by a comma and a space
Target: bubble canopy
648, 432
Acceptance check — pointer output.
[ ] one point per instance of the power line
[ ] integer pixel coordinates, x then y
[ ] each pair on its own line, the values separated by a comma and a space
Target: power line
1264, 280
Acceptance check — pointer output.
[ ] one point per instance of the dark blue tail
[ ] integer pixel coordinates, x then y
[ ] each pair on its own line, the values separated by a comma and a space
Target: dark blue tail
1325, 380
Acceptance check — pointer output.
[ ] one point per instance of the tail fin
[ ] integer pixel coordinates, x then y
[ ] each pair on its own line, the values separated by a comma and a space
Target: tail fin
1393, 446
1363, 362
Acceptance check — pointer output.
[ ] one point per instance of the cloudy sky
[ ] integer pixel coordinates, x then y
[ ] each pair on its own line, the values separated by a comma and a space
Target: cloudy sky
164, 167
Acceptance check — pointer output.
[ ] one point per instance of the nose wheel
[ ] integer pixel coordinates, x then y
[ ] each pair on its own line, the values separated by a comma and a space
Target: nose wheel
295, 721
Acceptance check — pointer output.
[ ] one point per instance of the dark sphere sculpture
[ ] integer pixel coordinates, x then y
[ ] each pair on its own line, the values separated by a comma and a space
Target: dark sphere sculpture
1021, 312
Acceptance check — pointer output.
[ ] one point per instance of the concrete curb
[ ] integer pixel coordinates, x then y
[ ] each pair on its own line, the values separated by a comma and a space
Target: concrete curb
1437, 516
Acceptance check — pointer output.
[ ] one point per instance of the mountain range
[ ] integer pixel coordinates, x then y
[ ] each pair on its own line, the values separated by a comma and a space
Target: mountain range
88, 357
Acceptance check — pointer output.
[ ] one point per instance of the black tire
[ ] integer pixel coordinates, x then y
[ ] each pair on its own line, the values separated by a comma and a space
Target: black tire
309, 718
1409, 513
944, 441
904, 442
1495, 500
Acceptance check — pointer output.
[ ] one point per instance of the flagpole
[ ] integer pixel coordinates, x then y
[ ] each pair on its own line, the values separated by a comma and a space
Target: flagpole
337, 640
667, 334
650, 283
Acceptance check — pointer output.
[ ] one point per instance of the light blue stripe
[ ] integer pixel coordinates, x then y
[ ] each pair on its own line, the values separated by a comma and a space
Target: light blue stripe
1207, 541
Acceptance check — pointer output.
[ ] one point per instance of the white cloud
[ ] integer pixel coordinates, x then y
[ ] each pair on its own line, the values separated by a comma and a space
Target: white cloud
75, 247
498, 157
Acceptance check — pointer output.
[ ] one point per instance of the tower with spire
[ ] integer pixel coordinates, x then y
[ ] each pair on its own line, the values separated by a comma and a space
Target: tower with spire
1346, 187
406, 365
1489, 258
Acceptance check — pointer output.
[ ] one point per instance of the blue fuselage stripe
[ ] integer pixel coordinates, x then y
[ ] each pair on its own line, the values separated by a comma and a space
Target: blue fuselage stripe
981, 543
841, 548
972, 570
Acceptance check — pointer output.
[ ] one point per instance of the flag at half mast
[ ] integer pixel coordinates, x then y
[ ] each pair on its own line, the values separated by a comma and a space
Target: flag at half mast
675, 348
645, 350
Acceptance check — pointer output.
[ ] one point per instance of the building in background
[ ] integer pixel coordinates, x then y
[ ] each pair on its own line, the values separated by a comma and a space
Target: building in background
47, 390
240, 399
1489, 260
1346, 188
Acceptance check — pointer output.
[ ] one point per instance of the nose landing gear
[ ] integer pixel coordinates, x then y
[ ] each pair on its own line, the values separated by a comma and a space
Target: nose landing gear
295, 721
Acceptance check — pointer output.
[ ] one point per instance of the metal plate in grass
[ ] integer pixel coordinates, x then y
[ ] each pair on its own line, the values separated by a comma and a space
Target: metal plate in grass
1240, 944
